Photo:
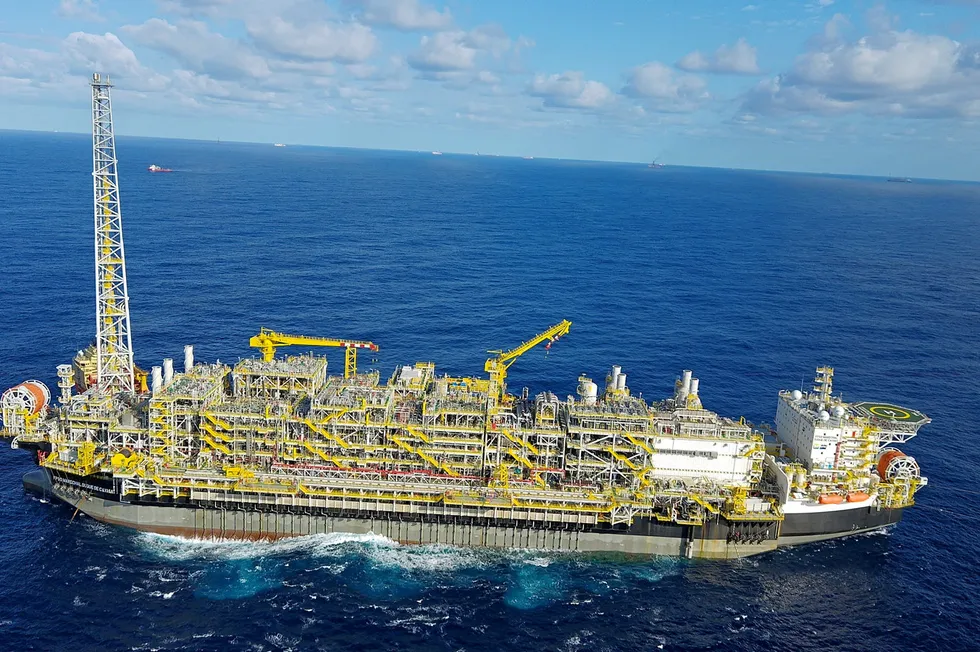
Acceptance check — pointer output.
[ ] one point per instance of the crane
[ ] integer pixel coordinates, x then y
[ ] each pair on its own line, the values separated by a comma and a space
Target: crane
267, 341
498, 365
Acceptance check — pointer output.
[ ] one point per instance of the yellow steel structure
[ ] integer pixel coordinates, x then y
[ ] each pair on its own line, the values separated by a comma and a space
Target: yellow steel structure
282, 432
498, 365
267, 341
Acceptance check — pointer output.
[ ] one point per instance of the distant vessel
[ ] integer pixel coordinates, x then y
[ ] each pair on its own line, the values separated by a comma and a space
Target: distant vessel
437, 153
900, 180
655, 165
279, 145
157, 168
528, 158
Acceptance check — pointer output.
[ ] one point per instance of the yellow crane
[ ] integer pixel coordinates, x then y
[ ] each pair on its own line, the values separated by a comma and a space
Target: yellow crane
498, 365
267, 341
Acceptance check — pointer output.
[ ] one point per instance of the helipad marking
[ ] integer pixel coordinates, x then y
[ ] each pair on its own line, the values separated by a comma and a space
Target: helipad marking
889, 412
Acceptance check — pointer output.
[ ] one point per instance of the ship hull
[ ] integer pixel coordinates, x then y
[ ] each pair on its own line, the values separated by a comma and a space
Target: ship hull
717, 539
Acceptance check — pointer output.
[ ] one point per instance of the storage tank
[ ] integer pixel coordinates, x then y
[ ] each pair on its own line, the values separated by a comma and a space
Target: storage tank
613, 377
188, 358
156, 382
621, 382
587, 390
683, 387
168, 371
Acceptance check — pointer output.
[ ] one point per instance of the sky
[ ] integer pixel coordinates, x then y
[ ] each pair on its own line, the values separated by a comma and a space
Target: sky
841, 86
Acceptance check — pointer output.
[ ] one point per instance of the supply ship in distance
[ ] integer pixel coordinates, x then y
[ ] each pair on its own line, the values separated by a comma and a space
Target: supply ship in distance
274, 446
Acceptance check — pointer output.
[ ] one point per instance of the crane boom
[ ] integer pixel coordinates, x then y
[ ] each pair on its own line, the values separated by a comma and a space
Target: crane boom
497, 366
267, 341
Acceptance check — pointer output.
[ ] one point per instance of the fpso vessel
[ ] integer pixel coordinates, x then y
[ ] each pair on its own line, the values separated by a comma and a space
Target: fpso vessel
274, 446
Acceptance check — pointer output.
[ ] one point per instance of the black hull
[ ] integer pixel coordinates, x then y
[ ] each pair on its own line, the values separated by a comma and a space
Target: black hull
840, 522
718, 538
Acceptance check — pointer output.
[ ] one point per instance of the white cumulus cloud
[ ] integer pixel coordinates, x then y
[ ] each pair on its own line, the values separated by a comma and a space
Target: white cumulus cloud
80, 10
87, 53
317, 39
444, 51
889, 72
660, 88
191, 44
196, 7
406, 15
570, 90
739, 59
459, 49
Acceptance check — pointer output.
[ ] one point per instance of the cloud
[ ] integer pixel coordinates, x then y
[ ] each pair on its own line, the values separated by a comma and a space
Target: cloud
405, 15
63, 71
504, 115
197, 86
316, 40
85, 53
570, 90
28, 64
192, 45
444, 51
487, 77
739, 59
458, 49
80, 10
82, 53
889, 72
195, 7
900, 62
491, 38
60, 75
660, 88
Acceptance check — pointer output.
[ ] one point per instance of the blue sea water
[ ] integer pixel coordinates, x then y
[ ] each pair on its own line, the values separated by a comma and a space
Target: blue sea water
749, 278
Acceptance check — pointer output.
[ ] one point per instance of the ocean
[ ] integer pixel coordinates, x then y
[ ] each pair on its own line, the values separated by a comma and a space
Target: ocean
751, 279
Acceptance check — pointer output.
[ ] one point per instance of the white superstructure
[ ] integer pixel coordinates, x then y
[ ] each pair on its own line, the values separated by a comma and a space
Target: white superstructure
831, 451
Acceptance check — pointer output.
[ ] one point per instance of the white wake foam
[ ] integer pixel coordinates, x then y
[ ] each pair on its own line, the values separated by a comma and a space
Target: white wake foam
175, 548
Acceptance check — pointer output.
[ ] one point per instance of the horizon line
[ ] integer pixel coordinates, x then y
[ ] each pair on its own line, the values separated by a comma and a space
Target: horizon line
514, 156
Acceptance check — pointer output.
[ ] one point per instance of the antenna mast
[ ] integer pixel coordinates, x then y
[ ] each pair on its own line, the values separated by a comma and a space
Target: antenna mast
114, 347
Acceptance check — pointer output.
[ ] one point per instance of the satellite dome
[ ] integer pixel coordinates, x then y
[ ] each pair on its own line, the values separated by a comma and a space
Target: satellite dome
797, 394
824, 415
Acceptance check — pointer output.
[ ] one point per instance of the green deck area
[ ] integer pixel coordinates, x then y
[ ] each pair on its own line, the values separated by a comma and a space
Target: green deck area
889, 412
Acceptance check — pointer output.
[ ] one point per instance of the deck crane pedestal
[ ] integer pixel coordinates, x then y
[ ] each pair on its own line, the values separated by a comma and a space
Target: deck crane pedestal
498, 365
267, 341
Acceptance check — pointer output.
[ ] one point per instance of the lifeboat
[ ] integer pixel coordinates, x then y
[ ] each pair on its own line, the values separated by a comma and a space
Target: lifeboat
831, 499
857, 496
